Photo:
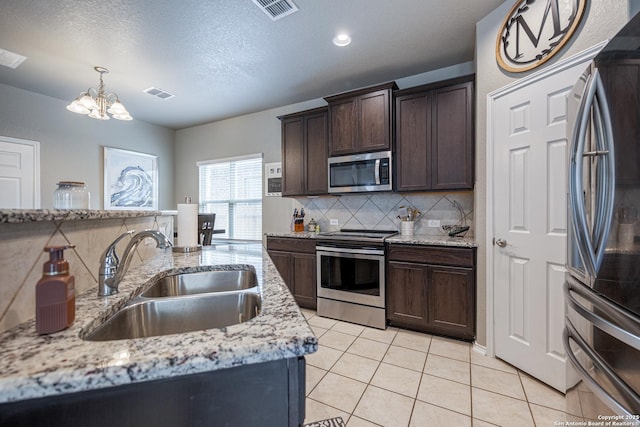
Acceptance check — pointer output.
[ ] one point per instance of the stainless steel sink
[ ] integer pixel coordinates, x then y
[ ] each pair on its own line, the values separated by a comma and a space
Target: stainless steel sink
202, 282
152, 317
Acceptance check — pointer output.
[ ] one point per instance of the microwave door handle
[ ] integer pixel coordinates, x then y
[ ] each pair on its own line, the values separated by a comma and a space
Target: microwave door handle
377, 171
605, 191
576, 184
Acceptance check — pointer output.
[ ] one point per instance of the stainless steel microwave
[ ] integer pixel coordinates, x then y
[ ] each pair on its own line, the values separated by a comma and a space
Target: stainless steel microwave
361, 172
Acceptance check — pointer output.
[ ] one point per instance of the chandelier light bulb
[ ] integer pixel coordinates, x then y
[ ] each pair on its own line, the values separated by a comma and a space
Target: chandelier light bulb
87, 102
124, 116
95, 114
117, 108
75, 107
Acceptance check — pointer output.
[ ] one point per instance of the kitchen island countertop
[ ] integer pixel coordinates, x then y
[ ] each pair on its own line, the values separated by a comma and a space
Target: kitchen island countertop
17, 216
34, 366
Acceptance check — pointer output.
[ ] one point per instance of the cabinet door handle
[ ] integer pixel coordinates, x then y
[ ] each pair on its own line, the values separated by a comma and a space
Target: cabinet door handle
500, 242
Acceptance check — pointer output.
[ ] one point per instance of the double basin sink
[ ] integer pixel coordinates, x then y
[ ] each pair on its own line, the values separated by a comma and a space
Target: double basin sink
186, 302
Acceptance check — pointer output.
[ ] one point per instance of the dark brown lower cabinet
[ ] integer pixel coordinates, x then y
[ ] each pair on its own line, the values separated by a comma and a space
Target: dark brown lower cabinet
262, 394
407, 294
295, 260
432, 289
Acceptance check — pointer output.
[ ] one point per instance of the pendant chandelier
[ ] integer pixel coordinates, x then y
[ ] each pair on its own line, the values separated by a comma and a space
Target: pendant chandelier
97, 103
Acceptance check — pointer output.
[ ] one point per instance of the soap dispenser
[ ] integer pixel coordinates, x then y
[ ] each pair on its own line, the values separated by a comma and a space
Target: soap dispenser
55, 293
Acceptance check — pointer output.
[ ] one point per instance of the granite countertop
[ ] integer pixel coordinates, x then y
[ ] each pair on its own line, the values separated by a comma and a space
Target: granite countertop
33, 366
16, 216
465, 242
297, 235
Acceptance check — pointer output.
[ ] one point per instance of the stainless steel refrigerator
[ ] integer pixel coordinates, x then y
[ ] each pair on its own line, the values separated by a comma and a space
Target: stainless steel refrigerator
602, 287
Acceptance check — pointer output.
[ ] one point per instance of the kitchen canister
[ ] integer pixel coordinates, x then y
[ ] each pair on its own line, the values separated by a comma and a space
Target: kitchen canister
406, 228
71, 195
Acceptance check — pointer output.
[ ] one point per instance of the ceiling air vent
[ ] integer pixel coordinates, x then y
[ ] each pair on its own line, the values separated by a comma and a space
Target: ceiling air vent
276, 9
11, 59
162, 94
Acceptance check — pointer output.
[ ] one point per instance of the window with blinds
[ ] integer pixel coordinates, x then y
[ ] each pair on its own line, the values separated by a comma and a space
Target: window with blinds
232, 189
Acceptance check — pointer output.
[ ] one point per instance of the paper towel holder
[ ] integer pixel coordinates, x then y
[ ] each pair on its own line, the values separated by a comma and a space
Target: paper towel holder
187, 249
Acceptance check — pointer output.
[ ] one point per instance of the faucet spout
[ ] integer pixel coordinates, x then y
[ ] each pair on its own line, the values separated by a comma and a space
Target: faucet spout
112, 271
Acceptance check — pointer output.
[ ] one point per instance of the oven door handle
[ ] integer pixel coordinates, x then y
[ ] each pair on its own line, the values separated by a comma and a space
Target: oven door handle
331, 251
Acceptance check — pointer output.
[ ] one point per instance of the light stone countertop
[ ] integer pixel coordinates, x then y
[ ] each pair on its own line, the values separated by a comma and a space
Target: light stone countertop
465, 242
33, 366
16, 216
297, 235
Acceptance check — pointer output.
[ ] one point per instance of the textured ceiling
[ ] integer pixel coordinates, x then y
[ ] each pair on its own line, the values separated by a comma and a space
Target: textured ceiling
224, 58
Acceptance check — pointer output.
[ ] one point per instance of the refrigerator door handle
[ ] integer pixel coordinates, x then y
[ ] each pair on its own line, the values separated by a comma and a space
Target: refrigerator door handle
576, 185
620, 325
595, 153
570, 333
605, 187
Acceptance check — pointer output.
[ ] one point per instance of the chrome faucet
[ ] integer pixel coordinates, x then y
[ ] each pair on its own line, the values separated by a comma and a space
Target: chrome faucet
111, 271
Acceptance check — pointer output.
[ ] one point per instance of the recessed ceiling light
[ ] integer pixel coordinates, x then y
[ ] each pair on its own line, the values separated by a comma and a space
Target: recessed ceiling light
342, 40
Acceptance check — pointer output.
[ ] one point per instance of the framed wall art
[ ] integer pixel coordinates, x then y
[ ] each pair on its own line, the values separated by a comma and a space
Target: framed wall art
130, 180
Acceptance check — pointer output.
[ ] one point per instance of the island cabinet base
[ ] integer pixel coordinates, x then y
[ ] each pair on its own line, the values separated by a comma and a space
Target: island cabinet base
265, 394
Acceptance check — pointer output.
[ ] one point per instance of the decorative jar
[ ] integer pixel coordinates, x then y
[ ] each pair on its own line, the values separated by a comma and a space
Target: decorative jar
71, 195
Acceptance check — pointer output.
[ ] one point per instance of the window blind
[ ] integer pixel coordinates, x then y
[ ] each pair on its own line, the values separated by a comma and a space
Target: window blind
232, 189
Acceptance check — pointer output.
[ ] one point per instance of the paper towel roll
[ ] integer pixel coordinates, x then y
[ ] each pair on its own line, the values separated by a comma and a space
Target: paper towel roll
187, 224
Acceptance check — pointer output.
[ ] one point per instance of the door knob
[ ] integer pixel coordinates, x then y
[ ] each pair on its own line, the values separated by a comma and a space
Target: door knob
501, 242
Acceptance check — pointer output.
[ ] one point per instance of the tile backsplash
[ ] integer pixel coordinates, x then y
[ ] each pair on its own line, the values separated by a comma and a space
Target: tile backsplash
380, 210
22, 256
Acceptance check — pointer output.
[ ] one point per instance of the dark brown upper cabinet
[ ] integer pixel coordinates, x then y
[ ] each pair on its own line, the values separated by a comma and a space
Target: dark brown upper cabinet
361, 121
434, 136
304, 152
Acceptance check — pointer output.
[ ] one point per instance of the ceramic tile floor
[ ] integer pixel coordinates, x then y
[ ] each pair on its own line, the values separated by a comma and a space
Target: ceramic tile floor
397, 377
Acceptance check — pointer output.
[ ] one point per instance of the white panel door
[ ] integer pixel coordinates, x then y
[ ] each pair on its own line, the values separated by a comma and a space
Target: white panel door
530, 224
19, 174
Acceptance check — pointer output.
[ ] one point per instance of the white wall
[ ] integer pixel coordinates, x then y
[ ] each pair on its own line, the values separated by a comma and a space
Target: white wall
71, 144
602, 20
249, 134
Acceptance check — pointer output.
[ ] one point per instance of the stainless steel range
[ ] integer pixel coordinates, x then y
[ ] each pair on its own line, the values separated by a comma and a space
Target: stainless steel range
351, 275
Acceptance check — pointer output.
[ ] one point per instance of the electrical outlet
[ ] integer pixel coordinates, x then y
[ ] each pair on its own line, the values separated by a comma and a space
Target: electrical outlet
433, 223
333, 221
